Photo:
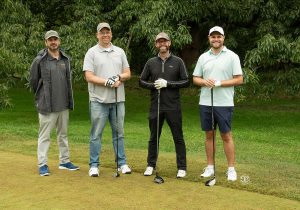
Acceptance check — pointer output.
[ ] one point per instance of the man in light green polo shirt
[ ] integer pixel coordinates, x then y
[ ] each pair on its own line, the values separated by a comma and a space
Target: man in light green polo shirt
220, 69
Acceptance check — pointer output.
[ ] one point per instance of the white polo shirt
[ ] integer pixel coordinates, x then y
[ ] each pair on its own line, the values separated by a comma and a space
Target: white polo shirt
105, 63
223, 66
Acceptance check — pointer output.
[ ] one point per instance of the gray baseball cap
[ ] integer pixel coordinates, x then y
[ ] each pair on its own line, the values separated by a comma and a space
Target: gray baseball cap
51, 33
162, 35
103, 25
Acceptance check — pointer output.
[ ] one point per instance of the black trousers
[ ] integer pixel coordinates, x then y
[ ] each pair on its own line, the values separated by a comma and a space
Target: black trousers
174, 120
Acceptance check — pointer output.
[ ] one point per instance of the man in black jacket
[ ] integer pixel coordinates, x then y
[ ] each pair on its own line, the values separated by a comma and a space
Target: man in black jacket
167, 73
50, 80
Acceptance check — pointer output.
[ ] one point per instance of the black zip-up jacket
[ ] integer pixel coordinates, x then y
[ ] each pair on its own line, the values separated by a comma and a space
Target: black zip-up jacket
40, 82
173, 70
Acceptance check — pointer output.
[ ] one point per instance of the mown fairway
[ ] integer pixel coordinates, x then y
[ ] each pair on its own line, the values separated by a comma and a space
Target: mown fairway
24, 189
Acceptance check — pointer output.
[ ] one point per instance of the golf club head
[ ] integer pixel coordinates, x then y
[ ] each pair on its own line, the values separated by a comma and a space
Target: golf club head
158, 180
117, 174
210, 182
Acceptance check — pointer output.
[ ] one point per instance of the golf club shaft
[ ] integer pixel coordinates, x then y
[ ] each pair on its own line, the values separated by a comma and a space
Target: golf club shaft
157, 129
213, 127
117, 133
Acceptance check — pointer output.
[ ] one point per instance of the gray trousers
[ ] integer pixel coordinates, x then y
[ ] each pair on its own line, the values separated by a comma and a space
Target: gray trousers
60, 121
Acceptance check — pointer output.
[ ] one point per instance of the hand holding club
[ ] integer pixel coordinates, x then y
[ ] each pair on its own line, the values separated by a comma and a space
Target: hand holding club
112, 80
160, 83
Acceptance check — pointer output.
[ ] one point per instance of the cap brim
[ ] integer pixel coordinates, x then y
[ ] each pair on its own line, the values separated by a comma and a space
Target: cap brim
52, 36
103, 27
216, 32
162, 38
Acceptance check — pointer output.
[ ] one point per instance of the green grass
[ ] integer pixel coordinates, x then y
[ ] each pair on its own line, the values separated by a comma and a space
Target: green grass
266, 137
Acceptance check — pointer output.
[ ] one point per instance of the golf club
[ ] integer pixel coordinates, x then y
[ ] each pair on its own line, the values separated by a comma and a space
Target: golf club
117, 174
212, 181
157, 179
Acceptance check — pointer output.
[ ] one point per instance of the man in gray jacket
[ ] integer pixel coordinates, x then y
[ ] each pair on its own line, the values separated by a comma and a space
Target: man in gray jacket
50, 80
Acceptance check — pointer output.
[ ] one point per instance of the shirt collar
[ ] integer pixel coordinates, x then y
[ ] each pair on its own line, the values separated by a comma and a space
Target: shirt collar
50, 58
170, 54
102, 49
223, 50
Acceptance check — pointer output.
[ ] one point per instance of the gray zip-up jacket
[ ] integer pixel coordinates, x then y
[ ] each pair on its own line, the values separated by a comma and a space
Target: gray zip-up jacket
40, 82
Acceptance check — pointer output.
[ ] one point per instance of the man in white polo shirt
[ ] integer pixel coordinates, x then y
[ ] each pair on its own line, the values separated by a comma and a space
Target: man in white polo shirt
220, 69
106, 69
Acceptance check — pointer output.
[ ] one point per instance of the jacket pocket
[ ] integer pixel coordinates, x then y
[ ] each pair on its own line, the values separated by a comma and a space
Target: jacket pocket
39, 87
40, 99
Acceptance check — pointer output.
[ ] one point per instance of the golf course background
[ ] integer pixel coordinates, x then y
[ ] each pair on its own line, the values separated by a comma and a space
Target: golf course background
266, 135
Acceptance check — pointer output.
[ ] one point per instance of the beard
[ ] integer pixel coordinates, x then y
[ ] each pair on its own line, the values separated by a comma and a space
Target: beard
216, 45
53, 47
164, 49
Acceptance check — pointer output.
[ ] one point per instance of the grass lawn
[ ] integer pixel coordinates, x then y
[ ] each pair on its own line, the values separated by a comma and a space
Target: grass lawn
266, 137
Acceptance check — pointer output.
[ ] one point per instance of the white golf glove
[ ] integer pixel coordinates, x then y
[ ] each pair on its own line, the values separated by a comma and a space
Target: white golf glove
160, 83
112, 80
109, 82
115, 78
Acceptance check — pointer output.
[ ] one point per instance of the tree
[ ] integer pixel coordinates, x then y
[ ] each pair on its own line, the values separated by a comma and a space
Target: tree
264, 33
20, 35
276, 56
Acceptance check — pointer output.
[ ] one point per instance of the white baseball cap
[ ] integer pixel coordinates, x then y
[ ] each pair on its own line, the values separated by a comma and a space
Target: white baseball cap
217, 29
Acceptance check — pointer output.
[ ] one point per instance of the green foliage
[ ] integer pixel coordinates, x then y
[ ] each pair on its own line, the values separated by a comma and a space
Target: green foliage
19, 37
80, 35
265, 34
141, 21
57, 12
277, 55
5, 101
251, 80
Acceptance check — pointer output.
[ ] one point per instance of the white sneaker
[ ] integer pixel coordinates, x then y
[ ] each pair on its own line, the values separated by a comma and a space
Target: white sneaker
181, 173
148, 171
231, 175
94, 172
207, 172
125, 169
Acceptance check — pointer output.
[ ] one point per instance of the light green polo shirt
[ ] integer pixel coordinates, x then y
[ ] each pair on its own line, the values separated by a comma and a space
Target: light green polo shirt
105, 63
223, 66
